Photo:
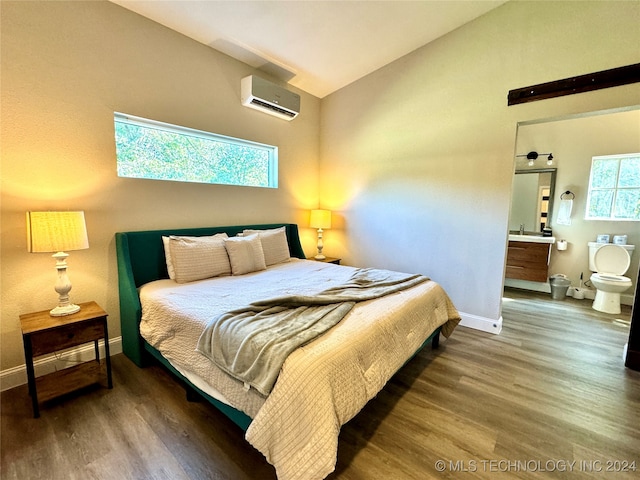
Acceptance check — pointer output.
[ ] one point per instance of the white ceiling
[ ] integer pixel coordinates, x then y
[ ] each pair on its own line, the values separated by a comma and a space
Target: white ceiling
317, 46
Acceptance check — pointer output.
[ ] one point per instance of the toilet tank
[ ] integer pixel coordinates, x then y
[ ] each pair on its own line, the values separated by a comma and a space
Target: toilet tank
594, 246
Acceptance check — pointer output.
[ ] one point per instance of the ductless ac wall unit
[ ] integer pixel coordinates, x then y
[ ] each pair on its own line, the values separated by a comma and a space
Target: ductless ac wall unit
267, 97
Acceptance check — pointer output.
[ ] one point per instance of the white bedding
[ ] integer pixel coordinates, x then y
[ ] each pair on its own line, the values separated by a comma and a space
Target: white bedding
323, 384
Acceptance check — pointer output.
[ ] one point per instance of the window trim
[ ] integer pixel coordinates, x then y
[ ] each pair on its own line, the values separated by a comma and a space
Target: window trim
272, 172
615, 189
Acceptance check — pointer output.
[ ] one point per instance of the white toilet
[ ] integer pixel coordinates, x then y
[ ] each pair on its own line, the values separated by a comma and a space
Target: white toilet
609, 262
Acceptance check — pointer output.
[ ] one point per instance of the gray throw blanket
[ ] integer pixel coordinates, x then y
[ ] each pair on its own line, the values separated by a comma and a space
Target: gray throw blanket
252, 343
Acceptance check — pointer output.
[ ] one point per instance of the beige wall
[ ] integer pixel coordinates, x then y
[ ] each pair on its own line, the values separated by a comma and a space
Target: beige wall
573, 143
417, 158
66, 67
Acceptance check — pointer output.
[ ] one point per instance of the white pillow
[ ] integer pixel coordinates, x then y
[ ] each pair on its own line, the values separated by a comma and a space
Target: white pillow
167, 257
274, 244
167, 252
196, 258
245, 254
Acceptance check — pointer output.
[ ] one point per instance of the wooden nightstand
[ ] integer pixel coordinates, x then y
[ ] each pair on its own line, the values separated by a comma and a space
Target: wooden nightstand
43, 334
327, 260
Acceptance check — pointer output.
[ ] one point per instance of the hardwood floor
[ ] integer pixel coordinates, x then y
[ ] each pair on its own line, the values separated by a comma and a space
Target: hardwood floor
549, 390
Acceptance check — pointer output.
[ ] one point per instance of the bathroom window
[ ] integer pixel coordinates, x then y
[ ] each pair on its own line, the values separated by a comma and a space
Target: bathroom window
614, 188
161, 151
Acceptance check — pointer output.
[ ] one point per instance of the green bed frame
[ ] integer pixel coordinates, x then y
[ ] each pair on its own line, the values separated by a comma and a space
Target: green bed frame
141, 260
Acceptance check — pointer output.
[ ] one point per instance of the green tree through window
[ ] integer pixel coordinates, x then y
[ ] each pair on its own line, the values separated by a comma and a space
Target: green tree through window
614, 188
155, 150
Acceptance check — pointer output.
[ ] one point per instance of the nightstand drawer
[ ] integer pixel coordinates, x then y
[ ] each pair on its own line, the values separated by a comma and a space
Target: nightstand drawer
67, 336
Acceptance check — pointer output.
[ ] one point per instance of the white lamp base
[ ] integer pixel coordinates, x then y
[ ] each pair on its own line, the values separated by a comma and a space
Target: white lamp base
63, 287
60, 311
320, 255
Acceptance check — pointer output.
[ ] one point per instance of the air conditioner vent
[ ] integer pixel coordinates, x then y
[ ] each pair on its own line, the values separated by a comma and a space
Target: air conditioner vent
267, 97
268, 106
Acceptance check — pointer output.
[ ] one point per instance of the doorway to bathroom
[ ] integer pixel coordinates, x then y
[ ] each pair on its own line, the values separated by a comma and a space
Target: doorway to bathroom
574, 141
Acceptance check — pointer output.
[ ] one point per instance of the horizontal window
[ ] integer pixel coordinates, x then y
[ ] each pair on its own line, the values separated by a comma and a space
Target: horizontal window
614, 188
161, 151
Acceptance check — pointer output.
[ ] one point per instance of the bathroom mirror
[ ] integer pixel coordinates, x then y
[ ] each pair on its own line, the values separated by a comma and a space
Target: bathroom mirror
532, 200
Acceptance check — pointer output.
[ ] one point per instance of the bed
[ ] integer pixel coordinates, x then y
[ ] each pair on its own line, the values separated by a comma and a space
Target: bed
321, 385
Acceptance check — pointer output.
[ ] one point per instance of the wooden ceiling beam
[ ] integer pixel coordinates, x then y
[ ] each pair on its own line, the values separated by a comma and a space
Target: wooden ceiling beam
614, 77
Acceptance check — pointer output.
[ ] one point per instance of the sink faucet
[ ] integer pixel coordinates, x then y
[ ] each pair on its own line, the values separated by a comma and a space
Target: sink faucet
522, 229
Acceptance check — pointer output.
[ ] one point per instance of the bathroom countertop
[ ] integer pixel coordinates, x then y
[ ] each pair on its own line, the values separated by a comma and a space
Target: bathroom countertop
531, 238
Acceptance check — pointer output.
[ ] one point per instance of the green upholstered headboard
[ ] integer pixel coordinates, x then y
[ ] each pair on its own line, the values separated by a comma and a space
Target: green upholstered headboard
141, 260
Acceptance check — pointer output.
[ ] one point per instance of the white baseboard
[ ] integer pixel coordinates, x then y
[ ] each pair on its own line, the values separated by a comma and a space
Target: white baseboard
481, 323
13, 377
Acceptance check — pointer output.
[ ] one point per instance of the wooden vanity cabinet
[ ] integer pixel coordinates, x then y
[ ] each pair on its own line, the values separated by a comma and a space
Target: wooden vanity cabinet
528, 261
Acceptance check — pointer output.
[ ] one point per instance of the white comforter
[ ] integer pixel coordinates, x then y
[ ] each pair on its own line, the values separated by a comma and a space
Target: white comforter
321, 385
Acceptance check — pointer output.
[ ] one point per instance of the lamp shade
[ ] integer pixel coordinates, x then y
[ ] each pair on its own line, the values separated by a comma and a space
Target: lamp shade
56, 231
320, 219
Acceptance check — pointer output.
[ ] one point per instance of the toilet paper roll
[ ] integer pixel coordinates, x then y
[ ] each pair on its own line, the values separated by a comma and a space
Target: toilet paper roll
562, 245
620, 239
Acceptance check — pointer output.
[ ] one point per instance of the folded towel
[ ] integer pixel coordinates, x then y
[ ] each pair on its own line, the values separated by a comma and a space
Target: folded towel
564, 212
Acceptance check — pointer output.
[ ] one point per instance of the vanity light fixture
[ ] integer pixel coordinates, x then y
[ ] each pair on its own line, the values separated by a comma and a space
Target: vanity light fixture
532, 156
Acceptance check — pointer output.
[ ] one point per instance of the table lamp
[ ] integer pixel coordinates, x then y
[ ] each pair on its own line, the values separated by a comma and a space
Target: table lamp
57, 232
320, 219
